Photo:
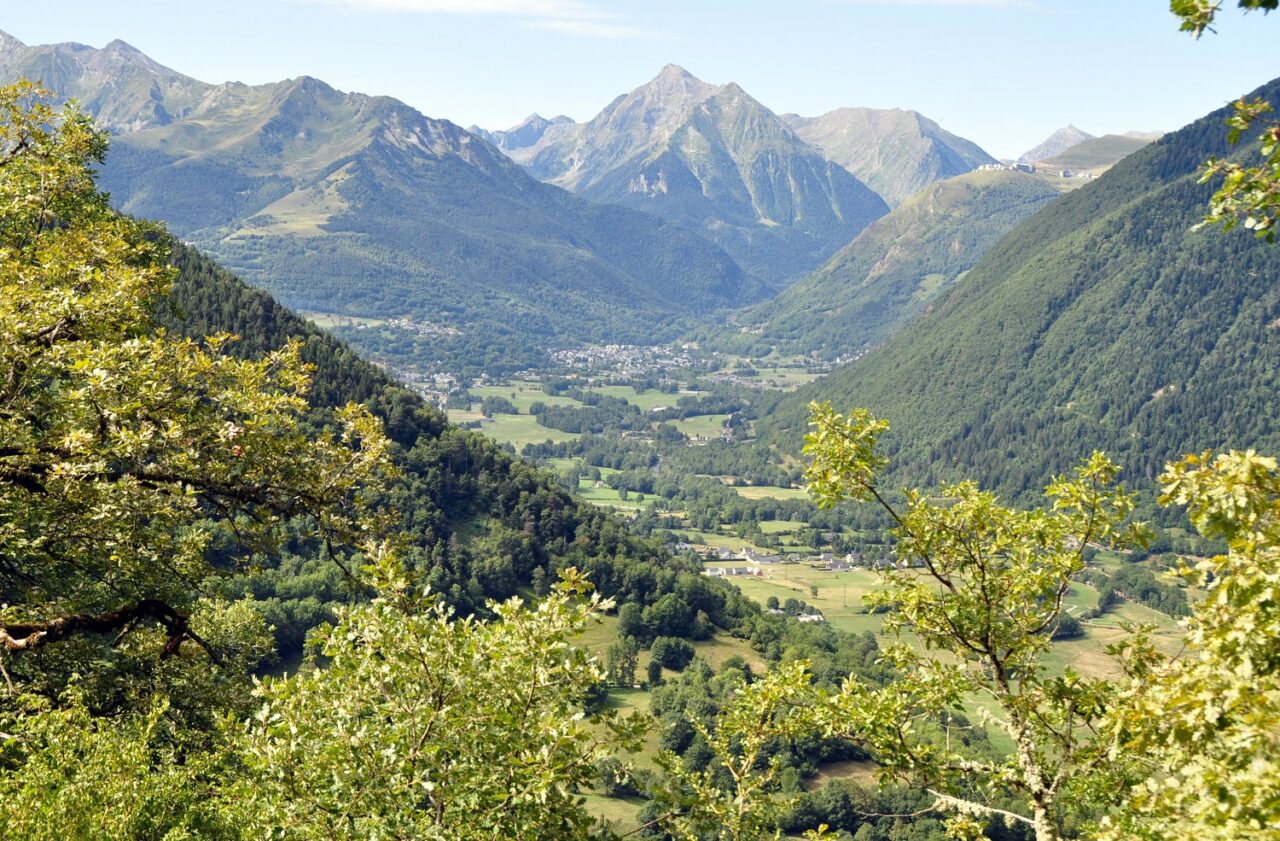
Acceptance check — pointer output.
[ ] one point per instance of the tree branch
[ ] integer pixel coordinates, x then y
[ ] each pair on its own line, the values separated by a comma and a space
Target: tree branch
29, 636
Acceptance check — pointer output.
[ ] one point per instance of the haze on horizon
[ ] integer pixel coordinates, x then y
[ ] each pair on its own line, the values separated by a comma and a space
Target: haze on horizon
1003, 73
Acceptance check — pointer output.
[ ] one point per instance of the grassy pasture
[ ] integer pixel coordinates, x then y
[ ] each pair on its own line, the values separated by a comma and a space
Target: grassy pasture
526, 394
708, 426
608, 497
328, 320
645, 402
519, 430
770, 492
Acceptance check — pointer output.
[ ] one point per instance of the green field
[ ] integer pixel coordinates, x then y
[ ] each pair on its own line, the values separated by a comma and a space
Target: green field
840, 600
771, 492
706, 426
327, 320
607, 497
646, 402
519, 430
784, 378
525, 395
779, 526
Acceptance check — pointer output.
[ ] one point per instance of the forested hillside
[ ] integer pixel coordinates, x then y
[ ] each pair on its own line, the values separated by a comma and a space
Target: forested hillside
481, 521
1104, 321
897, 267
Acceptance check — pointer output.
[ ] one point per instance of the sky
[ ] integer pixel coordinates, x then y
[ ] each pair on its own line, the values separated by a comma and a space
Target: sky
1003, 73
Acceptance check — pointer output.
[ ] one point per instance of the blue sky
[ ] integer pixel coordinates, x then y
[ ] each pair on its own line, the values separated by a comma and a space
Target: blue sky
1003, 73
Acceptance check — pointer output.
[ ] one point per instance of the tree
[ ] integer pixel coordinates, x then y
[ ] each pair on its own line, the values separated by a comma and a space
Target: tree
982, 585
621, 661
1249, 194
735, 795
129, 461
121, 448
672, 652
428, 725
1205, 723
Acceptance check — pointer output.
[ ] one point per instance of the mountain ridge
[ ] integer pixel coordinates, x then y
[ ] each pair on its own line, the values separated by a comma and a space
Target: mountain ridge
897, 152
712, 159
360, 205
1102, 322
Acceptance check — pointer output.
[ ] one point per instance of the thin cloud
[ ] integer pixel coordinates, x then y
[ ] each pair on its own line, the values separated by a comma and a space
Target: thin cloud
982, 4
569, 17
527, 8
593, 29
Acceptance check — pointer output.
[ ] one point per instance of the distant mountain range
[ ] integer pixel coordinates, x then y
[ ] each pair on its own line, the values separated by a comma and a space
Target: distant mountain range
1055, 144
713, 160
1099, 152
896, 153
360, 205
898, 266
1102, 322
521, 137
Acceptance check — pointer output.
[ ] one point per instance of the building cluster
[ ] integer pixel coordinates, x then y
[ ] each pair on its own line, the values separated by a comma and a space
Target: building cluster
627, 360
1021, 167
421, 328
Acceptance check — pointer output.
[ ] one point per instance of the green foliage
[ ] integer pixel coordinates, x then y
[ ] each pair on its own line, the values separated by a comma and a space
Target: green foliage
127, 455
982, 587
734, 797
1205, 722
621, 661
1249, 194
425, 724
1198, 15
69, 774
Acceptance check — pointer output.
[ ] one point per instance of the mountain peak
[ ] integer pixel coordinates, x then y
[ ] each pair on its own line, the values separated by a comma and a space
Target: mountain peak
675, 80
1056, 143
675, 71
122, 47
923, 152
8, 42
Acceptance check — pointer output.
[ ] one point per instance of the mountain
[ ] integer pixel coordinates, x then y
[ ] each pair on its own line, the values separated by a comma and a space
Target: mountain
361, 206
1098, 152
715, 161
1055, 144
894, 152
124, 89
523, 136
894, 269
1103, 322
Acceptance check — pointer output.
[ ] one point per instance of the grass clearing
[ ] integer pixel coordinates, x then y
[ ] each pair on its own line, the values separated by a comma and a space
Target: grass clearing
525, 395
518, 430
618, 812
770, 492
329, 320
785, 379
607, 497
646, 402
703, 426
